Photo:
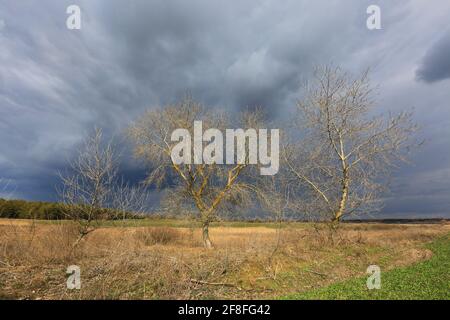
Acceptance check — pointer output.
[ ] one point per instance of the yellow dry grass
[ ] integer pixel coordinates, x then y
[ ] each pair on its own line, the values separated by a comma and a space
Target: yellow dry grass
248, 263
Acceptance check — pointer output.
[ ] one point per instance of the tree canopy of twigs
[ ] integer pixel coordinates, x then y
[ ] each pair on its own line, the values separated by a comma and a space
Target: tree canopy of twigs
343, 153
210, 189
91, 189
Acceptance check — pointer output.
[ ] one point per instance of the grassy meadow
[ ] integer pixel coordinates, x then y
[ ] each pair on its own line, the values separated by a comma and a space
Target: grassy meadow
165, 259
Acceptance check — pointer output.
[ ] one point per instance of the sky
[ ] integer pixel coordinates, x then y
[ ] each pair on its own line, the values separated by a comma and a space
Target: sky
57, 84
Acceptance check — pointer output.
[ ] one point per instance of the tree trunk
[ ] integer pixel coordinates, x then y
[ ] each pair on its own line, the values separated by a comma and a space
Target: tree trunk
205, 233
344, 196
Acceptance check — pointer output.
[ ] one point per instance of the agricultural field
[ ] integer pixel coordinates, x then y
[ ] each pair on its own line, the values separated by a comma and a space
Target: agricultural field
165, 259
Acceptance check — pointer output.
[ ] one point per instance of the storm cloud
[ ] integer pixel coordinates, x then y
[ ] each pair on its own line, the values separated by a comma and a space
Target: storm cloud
56, 84
436, 63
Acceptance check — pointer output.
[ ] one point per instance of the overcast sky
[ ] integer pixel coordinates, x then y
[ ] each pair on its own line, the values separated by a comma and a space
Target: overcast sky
57, 84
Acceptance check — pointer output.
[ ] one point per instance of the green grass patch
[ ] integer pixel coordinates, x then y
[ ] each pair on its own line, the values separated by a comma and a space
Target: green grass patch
429, 280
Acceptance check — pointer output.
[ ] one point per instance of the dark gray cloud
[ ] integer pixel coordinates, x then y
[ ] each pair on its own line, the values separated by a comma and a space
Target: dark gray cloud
57, 84
435, 65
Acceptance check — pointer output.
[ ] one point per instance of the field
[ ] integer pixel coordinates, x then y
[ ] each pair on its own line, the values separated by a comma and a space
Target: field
164, 259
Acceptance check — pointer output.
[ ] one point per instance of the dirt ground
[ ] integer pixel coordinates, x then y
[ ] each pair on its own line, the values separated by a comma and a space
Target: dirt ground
170, 263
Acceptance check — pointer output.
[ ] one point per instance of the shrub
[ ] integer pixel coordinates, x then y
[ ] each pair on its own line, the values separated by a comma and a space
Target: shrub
159, 235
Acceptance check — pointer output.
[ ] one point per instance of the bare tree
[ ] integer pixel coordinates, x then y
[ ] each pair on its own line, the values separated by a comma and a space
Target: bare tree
274, 195
211, 188
86, 188
127, 199
343, 153
92, 190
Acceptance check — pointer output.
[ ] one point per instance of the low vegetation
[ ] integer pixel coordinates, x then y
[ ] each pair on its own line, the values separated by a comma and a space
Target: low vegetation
426, 280
154, 259
161, 235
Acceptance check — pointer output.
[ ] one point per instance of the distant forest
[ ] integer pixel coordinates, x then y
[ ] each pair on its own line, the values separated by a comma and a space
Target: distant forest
22, 209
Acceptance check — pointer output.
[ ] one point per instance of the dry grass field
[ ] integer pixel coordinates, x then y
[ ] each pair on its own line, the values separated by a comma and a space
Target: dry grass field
164, 262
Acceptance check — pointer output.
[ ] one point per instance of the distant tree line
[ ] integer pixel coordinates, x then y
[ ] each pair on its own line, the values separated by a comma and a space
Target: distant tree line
22, 209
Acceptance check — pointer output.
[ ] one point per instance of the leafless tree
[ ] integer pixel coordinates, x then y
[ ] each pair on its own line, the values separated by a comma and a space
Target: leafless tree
128, 199
86, 188
210, 189
275, 197
91, 190
343, 153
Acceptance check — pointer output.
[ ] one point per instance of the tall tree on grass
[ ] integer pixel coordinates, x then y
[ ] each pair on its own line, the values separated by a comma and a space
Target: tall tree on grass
210, 188
345, 152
